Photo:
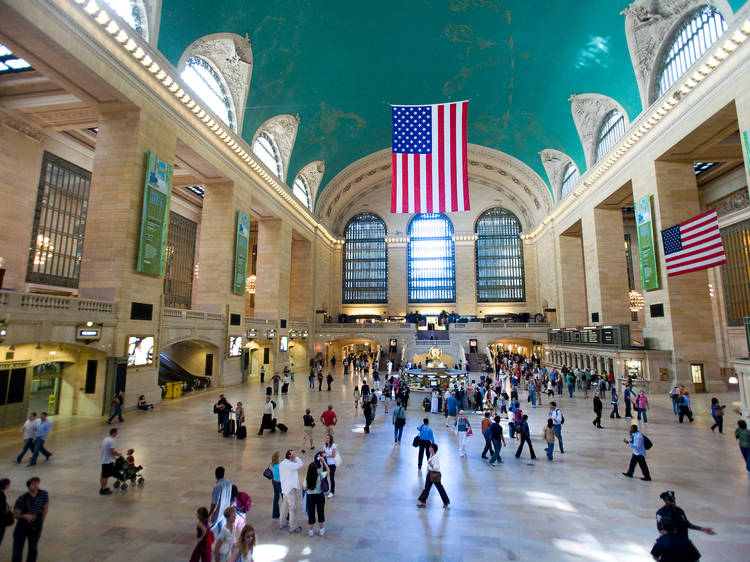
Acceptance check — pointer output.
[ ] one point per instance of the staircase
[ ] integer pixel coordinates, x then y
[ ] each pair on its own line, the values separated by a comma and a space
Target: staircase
472, 362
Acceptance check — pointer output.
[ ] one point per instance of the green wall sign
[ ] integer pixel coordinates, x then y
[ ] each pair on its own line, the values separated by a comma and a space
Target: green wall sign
240, 253
746, 143
154, 219
646, 247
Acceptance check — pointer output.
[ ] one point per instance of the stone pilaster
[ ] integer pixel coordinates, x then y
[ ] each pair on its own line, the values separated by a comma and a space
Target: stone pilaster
573, 309
398, 303
466, 284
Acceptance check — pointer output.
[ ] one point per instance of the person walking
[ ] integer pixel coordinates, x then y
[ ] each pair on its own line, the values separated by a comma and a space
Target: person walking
311, 378
329, 380
329, 420
598, 407
262, 374
548, 434
398, 418
331, 452
6, 512
290, 490
276, 482
243, 550
557, 420
571, 381
671, 547
678, 517
717, 413
637, 442
498, 441
317, 471
641, 405
614, 400
486, 424
425, 438
308, 423
202, 550
117, 401
267, 421
683, 403
462, 426
221, 498
30, 510
367, 411
674, 394
41, 433
628, 397
109, 454
225, 541
29, 433
525, 434
742, 434
320, 379
355, 394
434, 476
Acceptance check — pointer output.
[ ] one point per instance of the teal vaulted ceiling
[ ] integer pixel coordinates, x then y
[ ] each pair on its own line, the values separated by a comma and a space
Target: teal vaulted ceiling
339, 63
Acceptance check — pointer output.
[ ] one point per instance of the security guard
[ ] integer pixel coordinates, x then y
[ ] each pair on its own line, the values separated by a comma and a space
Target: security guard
677, 516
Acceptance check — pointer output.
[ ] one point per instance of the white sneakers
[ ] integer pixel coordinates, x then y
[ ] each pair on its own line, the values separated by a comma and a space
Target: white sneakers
322, 532
310, 532
330, 495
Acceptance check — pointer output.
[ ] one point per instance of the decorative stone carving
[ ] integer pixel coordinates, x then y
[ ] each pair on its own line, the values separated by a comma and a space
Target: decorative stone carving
313, 174
589, 112
283, 130
21, 127
151, 18
735, 201
555, 163
649, 24
232, 57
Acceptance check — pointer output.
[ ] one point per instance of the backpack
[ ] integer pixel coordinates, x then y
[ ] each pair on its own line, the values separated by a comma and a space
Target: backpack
243, 502
647, 444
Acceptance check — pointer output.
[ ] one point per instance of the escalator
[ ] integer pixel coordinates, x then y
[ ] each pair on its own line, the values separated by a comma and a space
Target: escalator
170, 372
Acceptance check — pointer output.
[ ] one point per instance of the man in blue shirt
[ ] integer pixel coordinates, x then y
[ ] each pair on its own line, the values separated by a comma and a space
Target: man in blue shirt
42, 432
451, 409
425, 438
637, 443
221, 498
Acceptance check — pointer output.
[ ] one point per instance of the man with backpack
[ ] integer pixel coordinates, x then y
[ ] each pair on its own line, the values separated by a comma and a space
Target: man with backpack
557, 420
399, 421
639, 444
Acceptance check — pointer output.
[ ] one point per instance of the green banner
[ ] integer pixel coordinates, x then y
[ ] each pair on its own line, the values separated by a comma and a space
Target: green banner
154, 219
746, 143
240, 253
646, 248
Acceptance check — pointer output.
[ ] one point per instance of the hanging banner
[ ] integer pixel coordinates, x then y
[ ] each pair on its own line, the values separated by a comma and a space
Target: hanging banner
746, 144
646, 247
155, 216
240, 253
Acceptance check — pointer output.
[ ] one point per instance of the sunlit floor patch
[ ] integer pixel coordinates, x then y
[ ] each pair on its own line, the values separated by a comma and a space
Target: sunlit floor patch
270, 552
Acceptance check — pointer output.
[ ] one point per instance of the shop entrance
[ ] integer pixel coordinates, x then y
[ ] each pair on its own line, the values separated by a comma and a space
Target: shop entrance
44, 395
696, 370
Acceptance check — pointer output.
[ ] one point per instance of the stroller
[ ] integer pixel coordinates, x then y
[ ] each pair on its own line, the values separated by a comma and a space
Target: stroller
126, 473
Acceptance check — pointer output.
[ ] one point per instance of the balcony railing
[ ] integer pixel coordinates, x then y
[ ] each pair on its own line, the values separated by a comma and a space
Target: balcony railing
34, 303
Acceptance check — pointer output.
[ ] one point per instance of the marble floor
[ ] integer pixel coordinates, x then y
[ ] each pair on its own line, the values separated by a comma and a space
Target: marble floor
578, 508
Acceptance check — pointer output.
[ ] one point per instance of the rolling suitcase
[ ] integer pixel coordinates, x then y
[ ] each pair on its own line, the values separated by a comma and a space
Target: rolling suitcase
229, 427
282, 427
241, 432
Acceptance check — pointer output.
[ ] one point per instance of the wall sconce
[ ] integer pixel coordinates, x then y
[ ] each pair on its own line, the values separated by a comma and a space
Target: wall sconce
636, 301
270, 334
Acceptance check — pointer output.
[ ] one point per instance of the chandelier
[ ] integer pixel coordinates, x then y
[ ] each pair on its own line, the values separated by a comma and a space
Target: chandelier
636, 301
250, 285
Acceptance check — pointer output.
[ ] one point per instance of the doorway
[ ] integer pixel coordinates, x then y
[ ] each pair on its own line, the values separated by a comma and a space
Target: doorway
696, 371
44, 395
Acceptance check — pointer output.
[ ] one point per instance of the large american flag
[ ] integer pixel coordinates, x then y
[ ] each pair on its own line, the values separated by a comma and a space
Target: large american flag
429, 158
694, 244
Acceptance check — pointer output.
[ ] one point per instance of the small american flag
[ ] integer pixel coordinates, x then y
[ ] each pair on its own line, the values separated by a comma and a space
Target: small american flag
693, 245
430, 168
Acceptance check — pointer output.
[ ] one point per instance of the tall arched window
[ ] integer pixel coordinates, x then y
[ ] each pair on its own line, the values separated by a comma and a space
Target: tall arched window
611, 132
689, 42
432, 259
570, 179
301, 191
133, 12
204, 80
265, 149
365, 260
499, 250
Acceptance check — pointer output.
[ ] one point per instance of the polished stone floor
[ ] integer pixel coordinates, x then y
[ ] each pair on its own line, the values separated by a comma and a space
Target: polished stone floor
578, 508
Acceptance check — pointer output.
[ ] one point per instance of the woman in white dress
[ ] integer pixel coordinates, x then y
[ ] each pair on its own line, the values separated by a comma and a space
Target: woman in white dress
434, 408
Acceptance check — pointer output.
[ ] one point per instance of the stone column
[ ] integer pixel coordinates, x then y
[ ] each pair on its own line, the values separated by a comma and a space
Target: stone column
572, 283
110, 252
300, 293
606, 267
466, 286
398, 304
687, 327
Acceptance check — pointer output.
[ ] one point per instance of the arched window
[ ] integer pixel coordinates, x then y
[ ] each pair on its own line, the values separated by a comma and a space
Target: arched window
265, 149
691, 40
204, 80
570, 179
301, 191
611, 132
432, 259
133, 12
499, 257
365, 260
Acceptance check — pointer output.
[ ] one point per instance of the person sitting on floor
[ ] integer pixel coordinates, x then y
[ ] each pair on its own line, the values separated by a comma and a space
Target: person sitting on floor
142, 404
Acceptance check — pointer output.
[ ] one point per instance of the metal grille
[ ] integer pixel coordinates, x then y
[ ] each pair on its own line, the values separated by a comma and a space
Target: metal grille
689, 43
365, 260
179, 263
499, 251
432, 259
59, 223
570, 179
610, 133
736, 272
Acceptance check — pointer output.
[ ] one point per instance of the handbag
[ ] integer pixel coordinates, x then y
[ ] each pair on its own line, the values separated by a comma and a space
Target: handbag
469, 432
415, 441
324, 487
435, 477
268, 473
338, 458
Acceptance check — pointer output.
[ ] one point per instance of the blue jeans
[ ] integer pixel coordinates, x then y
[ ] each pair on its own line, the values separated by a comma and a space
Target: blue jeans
674, 406
533, 397
28, 445
550, 448
645, 417
397, 431
39, 446
570, 390
276, 499
746, 455
497, 444
558, 432
117, 412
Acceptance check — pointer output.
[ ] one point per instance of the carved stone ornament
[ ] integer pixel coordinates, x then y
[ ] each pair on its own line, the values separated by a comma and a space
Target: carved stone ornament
589, 112
21, 127
555, 163
313, 174
735, 201
649, 24
232, 57
283, 130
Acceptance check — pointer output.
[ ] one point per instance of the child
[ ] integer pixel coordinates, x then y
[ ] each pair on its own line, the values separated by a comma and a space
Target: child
356, 398
130, 459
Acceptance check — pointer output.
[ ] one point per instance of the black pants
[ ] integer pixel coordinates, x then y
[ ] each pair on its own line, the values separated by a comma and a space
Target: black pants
627, 409
266, 423
25, 531
487, 448
598, 420
428, 485
333, 478
525, 439
329, 386
316, 502
423, 445
368, 421
640, 460
685, 411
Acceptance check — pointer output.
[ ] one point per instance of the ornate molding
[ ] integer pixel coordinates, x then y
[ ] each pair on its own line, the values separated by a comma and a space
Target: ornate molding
648, 26
589, 111
313, 174
555, 163
735, 201
283, 130
21, 127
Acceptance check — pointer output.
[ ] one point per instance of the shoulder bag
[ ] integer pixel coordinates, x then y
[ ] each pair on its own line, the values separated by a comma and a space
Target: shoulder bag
435, 477
268, 473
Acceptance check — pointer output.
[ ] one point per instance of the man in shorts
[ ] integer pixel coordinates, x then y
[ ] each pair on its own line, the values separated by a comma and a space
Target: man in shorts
109, 454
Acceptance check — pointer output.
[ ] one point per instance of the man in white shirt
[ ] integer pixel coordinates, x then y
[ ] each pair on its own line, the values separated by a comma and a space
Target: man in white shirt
557, 419
29, 433
221, 498
109, 453
267, 422
288, 473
